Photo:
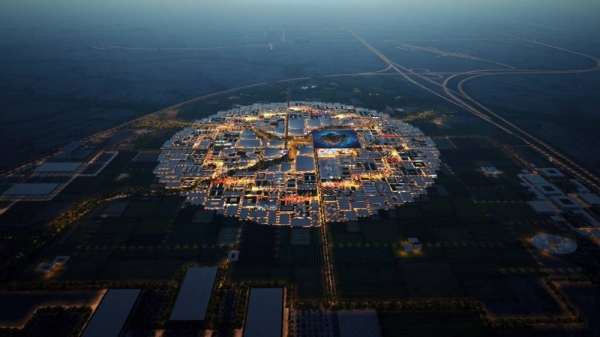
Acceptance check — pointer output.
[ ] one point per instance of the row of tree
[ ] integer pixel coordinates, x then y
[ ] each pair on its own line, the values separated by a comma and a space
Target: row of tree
22, 247
52, 322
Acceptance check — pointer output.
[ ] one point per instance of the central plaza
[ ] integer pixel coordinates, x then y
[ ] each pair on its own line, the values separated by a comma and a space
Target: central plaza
299, 164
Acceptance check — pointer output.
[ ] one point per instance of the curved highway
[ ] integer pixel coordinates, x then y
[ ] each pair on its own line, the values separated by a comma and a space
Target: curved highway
11, 170
462, 99
541, 146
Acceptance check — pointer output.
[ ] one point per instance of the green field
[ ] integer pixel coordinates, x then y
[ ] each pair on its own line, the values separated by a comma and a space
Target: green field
139, 263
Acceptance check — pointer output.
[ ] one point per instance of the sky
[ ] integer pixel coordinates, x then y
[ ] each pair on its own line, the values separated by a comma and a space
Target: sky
29, 12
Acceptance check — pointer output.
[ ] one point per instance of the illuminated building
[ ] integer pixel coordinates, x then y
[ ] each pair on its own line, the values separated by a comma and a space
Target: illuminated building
345, 163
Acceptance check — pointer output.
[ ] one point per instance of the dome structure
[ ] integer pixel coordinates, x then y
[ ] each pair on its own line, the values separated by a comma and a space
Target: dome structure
554, 244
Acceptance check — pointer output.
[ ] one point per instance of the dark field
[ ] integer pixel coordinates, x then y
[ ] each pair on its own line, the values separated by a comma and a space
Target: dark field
584, 296
17, 306
407, 323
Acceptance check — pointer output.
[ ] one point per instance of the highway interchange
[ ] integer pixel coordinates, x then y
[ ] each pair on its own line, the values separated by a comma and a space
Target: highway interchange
463, 100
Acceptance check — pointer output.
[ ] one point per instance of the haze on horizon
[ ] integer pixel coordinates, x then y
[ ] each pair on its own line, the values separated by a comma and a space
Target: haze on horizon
578, 13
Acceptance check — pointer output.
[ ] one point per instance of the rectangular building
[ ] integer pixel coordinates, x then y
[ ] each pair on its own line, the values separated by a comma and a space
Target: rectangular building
112, 313
541, 207
57, 167
31, 189
194, 294
264, 316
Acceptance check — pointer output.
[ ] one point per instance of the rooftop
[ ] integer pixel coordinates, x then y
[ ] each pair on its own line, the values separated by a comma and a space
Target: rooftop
112, 313
31, 189
264, 317
554, 244
57, 167
194, 294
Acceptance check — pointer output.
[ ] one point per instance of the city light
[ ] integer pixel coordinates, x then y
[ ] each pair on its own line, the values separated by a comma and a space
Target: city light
346, 163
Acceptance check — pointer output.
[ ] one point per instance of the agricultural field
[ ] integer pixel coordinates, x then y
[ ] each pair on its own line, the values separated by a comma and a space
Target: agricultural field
307, 281
17, 307
271, 254
583, 298
431, 323
140, 222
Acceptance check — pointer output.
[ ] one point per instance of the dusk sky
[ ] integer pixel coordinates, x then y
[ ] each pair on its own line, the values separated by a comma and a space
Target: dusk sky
23, 11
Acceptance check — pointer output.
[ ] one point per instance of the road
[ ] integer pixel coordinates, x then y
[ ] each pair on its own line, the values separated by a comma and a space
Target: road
463, 100
542, 147
104, 133
331, 289
228, 91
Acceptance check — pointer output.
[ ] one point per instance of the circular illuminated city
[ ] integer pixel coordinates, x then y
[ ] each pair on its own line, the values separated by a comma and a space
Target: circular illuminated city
300, 164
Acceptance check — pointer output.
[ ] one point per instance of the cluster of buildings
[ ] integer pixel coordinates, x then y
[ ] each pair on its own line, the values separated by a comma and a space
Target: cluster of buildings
552, 201
299, 165
42, 181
